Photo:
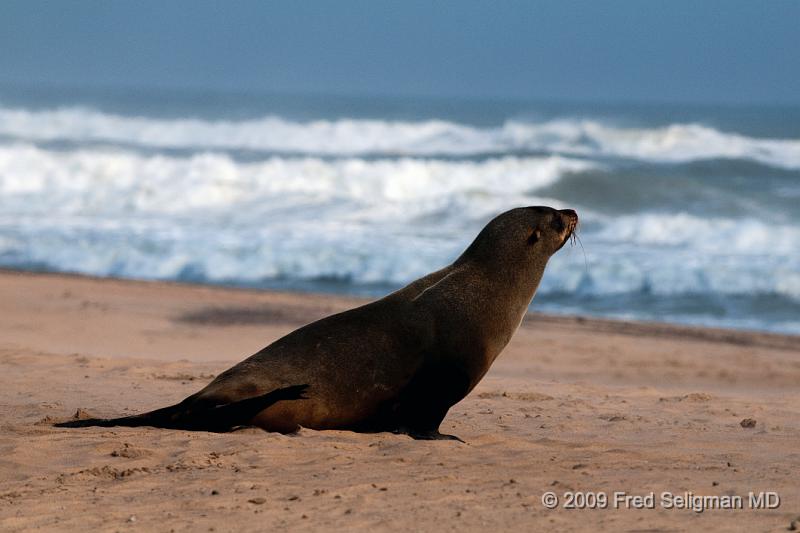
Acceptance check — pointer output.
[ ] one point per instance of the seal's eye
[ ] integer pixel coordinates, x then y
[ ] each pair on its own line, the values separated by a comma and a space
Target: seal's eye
534, 237
557, 224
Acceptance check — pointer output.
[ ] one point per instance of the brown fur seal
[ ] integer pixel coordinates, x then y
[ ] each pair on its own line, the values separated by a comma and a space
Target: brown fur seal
397, 364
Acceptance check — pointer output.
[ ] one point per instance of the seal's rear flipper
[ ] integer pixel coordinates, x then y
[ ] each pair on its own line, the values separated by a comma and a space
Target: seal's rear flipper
87, 422
189, 415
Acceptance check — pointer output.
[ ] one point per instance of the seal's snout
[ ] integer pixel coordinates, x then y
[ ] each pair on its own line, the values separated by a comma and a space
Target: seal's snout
567, 224
571, 221
570, 214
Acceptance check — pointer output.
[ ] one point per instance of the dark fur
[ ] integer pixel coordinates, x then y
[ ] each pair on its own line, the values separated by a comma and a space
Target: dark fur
395, 364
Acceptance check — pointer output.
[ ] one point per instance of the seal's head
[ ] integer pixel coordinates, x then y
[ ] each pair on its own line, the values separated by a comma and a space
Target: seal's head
525, 235
553, 227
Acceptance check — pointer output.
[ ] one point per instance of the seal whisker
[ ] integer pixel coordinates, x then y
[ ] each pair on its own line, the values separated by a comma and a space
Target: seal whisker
585, 261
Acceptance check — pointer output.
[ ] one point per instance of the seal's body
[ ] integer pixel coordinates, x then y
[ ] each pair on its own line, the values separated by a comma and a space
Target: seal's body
396, 364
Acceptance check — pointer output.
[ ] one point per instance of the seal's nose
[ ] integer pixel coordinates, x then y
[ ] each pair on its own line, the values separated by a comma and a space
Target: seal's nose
570, 213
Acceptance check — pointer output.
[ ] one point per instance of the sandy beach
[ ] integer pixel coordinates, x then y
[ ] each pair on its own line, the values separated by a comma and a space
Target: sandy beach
572, 405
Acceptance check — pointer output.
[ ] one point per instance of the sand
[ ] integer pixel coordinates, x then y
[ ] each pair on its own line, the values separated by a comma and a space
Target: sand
572, 405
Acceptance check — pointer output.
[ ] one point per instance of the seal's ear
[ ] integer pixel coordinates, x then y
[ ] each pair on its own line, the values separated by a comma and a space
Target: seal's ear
534, 238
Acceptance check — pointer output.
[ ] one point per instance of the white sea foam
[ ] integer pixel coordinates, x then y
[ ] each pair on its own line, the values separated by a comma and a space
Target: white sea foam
102, 181
350, 137
207, 216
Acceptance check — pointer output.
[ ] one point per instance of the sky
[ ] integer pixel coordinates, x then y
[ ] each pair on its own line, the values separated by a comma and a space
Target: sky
707, 51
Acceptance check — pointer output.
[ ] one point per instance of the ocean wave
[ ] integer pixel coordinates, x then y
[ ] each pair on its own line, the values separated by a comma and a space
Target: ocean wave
382, 222
713, 235
100, 181
209, 218
371, 249
353, 137
674, 255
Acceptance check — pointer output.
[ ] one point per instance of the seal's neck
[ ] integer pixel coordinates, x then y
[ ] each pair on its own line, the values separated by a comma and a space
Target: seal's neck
509, 294
501, 300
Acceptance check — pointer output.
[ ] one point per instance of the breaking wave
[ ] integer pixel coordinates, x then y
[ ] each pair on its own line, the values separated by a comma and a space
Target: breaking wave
358, 137
682, 222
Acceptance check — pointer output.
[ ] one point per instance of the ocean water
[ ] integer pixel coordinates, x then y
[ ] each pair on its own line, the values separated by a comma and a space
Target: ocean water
689, 214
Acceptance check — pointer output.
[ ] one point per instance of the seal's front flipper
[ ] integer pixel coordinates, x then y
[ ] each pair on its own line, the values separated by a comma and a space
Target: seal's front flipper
225, 417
